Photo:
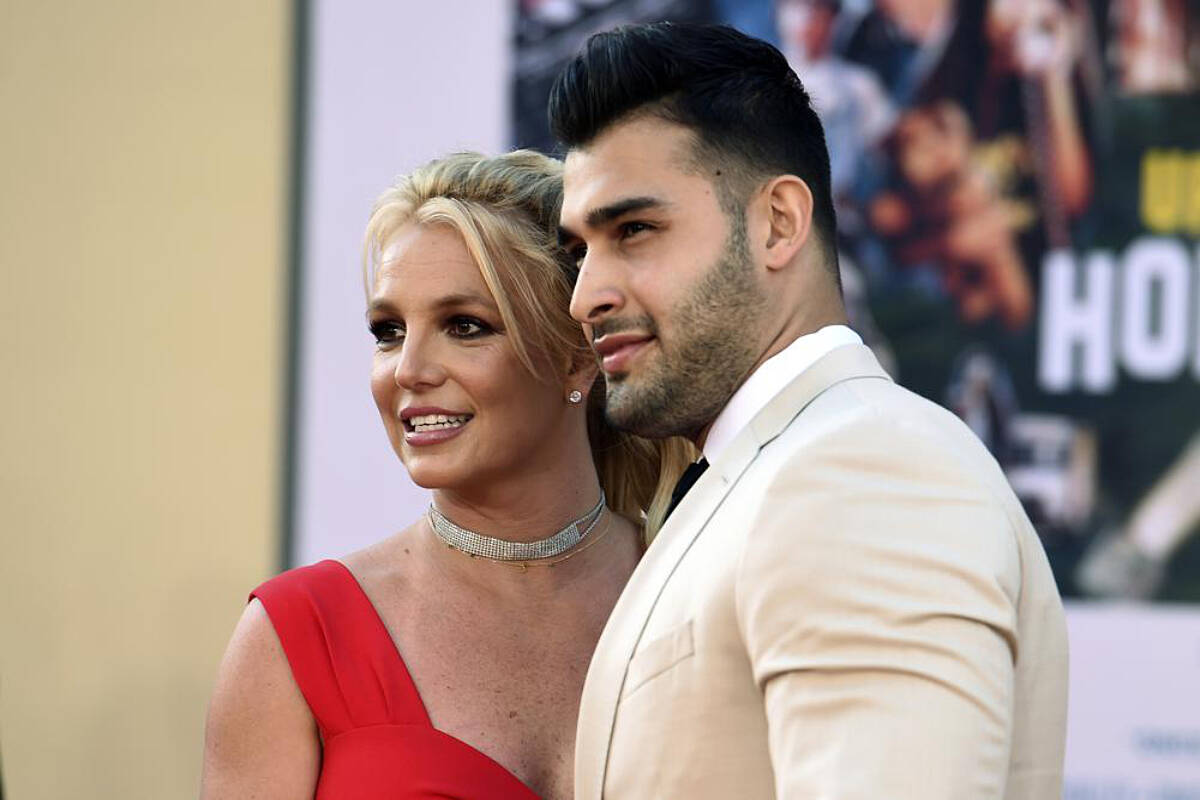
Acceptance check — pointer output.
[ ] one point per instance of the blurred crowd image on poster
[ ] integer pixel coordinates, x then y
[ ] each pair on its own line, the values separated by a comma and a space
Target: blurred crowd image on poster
1155, 58
1017, 185
548, 32
982, 156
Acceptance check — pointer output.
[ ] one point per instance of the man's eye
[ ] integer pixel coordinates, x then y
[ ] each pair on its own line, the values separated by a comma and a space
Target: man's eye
633, 228
577, 254
468, 328
387, 333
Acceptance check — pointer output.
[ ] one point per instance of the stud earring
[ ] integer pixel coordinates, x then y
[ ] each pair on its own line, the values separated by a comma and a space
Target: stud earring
575, 396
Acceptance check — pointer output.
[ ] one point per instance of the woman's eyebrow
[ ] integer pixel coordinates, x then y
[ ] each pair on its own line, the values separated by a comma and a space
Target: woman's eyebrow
465, 299
383, 305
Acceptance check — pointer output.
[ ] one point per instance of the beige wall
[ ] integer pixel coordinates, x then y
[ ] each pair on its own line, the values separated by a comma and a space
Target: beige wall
143, 177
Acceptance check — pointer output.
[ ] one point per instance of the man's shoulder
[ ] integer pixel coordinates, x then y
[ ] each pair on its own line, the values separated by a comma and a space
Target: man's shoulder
868, 429
873, 469
880, 414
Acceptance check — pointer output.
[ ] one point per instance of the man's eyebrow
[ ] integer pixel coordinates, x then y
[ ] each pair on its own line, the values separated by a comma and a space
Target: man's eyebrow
598, 216
605, 214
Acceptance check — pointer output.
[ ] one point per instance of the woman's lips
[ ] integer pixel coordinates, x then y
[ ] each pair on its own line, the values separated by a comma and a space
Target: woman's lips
423, 438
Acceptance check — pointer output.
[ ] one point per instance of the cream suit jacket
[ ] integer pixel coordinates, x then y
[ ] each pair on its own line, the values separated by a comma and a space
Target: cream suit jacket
850, 604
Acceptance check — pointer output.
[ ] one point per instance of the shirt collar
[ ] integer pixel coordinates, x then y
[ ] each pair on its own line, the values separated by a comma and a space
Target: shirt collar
769, 380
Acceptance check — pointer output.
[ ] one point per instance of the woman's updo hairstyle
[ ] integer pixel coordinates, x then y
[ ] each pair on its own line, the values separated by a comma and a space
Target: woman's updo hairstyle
506, 209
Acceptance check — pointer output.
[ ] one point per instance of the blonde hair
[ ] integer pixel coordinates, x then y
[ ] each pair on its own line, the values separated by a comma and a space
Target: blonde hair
506, 210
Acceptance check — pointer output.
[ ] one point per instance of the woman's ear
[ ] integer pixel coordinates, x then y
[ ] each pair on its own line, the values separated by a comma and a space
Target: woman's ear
788, 206
582, 376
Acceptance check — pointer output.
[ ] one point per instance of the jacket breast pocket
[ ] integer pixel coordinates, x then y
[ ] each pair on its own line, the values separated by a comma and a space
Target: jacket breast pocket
659, 656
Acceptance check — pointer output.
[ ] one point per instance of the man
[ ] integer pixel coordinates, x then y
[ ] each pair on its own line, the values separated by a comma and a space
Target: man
849, 603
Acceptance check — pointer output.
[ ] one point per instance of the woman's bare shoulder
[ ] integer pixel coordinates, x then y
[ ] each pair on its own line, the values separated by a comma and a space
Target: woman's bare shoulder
385, 561
260, 738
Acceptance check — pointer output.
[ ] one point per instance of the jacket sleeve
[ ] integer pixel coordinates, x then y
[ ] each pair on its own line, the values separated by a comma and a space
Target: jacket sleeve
876, 599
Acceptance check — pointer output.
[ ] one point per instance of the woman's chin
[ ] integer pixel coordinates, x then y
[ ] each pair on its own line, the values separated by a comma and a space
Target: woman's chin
432, 477
428, 479
432, 471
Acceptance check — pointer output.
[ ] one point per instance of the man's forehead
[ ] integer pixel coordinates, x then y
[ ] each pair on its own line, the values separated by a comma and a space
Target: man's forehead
639, 141
634, 159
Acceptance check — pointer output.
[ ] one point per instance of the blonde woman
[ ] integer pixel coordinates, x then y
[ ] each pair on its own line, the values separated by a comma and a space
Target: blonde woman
448, 659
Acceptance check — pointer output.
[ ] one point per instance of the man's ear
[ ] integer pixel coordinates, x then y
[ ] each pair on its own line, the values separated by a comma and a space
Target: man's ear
788, 205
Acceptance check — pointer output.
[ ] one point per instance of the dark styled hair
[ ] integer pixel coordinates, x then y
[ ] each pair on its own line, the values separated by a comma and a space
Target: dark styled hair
750, 113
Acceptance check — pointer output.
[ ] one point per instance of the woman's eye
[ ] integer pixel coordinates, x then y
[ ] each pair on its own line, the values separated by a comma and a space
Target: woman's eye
387, 333
467, 328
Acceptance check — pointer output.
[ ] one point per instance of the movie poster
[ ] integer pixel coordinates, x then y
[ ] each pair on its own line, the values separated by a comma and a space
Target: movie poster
1017, 185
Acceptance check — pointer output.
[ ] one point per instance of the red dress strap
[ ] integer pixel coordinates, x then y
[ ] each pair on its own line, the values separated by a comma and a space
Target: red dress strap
340, 653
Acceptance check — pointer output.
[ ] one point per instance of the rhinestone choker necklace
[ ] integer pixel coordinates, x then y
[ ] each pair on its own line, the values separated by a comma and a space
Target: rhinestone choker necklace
476, 544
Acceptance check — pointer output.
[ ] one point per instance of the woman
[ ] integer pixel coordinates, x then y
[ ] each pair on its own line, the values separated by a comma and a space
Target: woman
448, 659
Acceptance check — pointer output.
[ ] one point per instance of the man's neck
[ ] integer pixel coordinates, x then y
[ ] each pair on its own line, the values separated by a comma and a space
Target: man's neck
767, 379
781, 339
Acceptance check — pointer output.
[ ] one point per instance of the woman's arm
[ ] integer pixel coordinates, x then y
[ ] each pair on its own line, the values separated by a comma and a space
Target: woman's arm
261, 740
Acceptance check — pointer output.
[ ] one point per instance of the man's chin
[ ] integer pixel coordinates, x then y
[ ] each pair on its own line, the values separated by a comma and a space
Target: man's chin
635, 412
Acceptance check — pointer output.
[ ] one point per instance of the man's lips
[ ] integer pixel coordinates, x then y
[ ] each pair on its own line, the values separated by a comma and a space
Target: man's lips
619, 349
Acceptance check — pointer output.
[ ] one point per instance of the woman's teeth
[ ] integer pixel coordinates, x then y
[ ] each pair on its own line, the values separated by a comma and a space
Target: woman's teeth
437, 422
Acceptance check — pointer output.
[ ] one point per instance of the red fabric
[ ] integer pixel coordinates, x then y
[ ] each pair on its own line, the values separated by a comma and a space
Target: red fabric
378, 740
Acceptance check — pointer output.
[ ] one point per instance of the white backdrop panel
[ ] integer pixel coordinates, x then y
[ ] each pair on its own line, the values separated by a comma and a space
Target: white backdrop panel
391, 85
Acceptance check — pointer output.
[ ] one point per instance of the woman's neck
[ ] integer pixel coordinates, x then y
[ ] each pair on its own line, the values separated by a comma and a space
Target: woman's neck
532, 505
528, 507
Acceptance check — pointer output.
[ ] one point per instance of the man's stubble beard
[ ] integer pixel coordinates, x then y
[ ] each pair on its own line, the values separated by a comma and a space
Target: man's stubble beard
711, 352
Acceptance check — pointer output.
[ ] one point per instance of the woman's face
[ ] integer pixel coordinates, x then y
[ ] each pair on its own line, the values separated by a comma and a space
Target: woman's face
458, 405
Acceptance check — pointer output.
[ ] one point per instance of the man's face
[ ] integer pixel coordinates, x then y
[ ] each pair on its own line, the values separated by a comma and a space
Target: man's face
666, 291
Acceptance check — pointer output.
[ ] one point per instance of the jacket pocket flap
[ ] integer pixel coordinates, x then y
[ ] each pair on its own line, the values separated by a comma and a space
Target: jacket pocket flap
659, 656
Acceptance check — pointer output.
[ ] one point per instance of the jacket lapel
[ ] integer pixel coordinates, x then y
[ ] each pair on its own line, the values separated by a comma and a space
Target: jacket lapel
606, 675
840, 364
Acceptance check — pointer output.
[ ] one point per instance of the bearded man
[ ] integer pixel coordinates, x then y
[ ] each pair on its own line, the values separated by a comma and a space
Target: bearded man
849, 603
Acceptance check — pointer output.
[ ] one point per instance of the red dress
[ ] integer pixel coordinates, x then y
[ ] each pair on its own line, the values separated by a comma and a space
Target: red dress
378, 740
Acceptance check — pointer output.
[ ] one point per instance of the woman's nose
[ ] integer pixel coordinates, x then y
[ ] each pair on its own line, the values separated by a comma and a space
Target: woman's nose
417, 365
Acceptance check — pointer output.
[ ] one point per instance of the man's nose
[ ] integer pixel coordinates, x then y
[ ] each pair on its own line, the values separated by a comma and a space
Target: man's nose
598, 290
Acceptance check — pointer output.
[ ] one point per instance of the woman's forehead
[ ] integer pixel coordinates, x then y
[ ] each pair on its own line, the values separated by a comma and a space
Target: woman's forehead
426, 262
420, 245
